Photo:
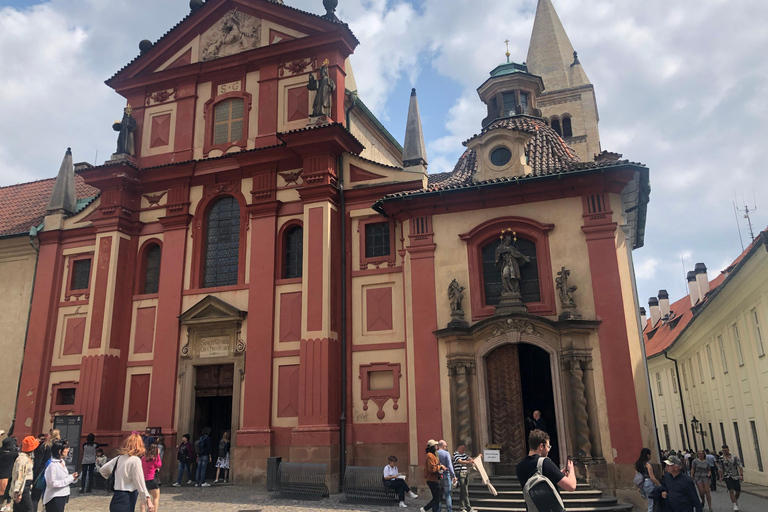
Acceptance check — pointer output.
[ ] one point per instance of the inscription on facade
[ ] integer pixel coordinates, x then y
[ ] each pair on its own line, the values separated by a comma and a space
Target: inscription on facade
217, 346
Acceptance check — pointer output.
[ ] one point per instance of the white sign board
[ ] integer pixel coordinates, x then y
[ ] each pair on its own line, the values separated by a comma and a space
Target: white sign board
492, 455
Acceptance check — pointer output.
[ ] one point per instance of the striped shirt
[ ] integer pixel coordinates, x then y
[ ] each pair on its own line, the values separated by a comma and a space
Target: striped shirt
460, 463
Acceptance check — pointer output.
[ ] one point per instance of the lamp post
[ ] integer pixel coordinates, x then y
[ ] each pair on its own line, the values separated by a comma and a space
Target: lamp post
698, 428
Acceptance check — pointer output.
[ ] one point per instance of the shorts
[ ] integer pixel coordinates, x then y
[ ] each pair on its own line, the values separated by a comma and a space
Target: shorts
151, 485
701, 480
733, 484
223, 462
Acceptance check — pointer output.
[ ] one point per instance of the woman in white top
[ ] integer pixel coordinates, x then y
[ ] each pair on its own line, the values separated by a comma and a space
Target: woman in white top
129, 476
395, 481
57, 478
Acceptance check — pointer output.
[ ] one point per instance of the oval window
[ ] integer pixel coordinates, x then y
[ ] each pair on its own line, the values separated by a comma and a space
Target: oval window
501, 156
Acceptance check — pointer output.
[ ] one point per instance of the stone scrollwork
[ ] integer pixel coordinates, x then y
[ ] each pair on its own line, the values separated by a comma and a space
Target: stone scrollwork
185, 348
511, 325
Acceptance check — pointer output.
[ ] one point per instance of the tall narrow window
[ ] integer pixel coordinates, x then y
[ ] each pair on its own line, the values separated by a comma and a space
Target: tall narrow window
222, 243
524, 103
722, 433
737, 339
567, 130
701, 366
658, 384
682, 435
757, 446
510, 103
722, 354
758, 333
377, 240
529, 273
81, 274
712, 437
228, 121
666, 436
674, 380
556, 126
685, 378
693, 375
152, 272
738, 440
711, 362
294, 252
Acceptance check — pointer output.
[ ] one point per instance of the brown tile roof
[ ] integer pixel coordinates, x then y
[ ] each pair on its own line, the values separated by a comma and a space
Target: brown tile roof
23, 206
664, 334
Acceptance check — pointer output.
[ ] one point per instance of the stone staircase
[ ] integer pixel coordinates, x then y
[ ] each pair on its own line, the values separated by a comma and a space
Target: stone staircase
510, 498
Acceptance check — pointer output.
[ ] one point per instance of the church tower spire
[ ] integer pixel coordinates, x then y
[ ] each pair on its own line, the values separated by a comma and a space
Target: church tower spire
414, 150
64, 197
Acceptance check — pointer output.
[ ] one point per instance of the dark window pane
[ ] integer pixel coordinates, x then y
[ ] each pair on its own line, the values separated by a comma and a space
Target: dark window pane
152, 274
81, 274
509, 103
556, 127
501, 156
377, 240
524, 102
222, 243
294, 252
65, 396
529, 273
567, 130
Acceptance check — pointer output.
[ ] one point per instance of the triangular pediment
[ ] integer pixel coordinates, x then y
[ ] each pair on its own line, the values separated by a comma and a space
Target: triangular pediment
221, 28
211, 309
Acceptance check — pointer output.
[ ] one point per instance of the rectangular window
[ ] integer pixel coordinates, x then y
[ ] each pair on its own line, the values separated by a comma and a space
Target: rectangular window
722, 354
81, 274
693, 375
377, 240
738, 441
666, 436
510, 103
712, 437
711, 362
737, 338
682, 435
685, 378
758, 334
757, 446
524, 103
701, 366
65, 396
674, 380
658, 384
722, 433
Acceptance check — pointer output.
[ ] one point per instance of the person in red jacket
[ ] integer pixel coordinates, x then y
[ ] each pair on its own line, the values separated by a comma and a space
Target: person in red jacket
185, 455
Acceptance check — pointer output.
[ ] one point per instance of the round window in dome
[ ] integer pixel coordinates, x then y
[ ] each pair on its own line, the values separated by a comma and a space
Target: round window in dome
501, 156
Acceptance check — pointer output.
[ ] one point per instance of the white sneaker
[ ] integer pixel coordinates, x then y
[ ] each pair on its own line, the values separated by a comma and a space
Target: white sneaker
422, 509
176, 484
216, 481
414, 496
190, 482
735, 506
205, 485
403, 505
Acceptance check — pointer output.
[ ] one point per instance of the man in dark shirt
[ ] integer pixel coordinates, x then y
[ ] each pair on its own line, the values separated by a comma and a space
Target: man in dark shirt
538, 421
539, 446
679, 489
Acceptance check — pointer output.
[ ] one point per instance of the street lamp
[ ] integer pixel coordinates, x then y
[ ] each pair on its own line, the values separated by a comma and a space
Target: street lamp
698, 428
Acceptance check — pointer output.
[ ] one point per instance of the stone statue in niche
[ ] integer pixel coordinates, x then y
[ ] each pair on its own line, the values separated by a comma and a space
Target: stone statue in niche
126, 127
455, 297
510, 259
324, 85
234, 33
566, 295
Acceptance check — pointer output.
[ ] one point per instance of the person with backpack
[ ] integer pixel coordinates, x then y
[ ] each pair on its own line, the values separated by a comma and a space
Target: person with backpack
538, 475
645, 480
203, 452
433, 472
89, 463
222, 463
185, 455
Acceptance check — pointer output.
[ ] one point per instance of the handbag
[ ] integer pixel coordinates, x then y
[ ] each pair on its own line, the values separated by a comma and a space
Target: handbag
110, 485
39, 483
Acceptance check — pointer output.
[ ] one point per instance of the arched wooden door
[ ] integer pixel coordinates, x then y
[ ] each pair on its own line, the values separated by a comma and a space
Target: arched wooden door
505, 407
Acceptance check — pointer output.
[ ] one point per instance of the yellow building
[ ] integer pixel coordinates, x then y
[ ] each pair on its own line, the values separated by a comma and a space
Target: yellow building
707, 363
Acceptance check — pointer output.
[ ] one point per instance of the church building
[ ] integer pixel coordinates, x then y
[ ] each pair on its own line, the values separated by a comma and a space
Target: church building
262, 256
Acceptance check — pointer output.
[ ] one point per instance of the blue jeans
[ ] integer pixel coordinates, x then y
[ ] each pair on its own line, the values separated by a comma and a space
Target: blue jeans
647, 490
202, 463
446, 485
182, 467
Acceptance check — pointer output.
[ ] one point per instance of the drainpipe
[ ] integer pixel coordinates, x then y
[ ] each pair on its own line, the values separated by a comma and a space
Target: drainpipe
343, 333
680, 394
32, 239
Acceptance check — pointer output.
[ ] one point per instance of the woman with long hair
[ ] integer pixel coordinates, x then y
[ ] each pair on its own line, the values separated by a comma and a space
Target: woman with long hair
42, 456
89, 462
129, 476
643, 466
432, 470
700, 472
223, 460
151, 464
57, 478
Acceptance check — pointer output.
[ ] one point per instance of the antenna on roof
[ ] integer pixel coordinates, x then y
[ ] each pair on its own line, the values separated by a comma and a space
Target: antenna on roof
746, 212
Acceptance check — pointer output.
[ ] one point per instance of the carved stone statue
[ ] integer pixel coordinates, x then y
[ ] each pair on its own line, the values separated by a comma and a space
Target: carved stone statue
455, 296
566, 295
510, 259
324, 87
125, 128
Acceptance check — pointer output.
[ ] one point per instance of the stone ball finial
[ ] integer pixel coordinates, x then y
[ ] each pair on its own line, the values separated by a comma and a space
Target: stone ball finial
195, 5
145, 45
330, 6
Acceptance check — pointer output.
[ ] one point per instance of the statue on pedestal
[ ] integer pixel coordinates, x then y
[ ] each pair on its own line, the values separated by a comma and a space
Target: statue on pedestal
566, 295
455, 296
510, 259
126, 127
321, 107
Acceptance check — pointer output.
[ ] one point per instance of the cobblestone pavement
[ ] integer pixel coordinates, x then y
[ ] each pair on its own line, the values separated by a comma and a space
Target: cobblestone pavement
721, 502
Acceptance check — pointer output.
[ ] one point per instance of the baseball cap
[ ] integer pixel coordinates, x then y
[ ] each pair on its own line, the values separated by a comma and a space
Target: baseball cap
673, 461
431, 442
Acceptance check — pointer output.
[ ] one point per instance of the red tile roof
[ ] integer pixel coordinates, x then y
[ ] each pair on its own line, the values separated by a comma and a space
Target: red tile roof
23, 206
660, 338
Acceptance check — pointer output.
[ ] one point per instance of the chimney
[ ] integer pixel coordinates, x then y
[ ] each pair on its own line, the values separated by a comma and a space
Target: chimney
663, 303
693, 288
643, 318
702, 279
653, 305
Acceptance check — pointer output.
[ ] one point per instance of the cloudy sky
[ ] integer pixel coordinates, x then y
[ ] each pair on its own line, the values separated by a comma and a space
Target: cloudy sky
681, 86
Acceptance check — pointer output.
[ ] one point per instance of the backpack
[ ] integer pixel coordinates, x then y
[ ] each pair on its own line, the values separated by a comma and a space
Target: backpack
540, 494
639, 480
198, 446
40, 483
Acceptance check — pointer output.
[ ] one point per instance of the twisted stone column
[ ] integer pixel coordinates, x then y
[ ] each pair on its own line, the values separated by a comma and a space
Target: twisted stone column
459, 371
580, 415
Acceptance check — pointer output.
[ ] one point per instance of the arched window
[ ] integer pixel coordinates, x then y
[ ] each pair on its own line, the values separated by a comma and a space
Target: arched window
294, 252
228, 121
529, 273
152, 269
222, 243
567, 130
556, 126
